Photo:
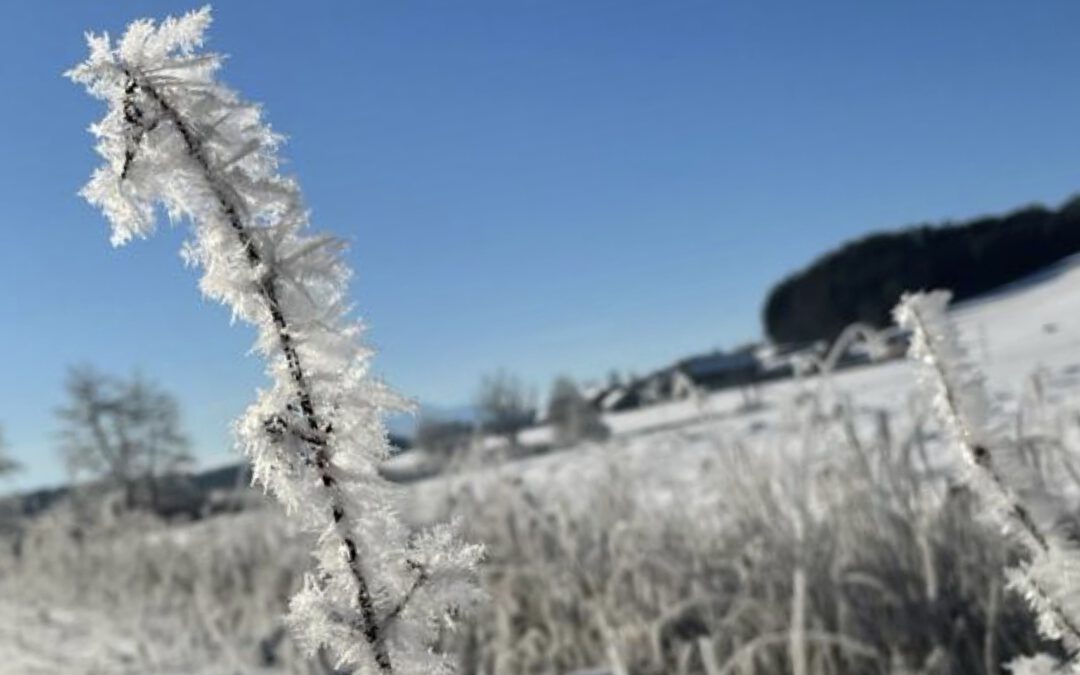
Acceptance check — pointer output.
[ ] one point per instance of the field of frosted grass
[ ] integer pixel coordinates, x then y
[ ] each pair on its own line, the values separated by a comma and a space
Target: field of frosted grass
816, 533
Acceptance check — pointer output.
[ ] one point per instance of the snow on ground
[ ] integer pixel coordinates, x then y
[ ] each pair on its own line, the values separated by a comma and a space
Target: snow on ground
1033, 324
38, 640
1030, 326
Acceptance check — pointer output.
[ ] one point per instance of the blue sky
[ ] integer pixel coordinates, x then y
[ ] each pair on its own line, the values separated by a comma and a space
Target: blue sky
546, 186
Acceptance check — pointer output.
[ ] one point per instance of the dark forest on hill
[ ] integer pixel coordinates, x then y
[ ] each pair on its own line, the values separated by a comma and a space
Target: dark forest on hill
863, 279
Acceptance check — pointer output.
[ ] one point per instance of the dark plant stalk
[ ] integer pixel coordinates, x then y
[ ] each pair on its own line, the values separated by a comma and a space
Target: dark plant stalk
315, 437
980, 455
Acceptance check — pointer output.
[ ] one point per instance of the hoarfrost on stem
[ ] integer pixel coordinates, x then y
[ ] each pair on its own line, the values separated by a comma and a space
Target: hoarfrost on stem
993, 468
175, 136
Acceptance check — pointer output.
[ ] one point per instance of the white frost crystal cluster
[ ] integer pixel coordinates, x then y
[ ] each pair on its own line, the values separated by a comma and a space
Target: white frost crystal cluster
175, 136
1049, 576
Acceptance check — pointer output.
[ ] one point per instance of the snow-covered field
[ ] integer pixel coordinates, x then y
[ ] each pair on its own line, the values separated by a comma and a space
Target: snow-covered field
1025, 333
1029, 326
683, 462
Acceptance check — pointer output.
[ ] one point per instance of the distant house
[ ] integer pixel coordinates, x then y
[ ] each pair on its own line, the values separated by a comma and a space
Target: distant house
719, 370
776, 359
696, 374
857, 345
684, 379
614, 398
742, 368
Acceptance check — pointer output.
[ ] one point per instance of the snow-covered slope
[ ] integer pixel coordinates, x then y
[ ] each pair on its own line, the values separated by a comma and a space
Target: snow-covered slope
1030, 327
669, 454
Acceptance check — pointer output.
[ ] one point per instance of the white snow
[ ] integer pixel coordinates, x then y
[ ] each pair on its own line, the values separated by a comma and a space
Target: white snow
1028, 327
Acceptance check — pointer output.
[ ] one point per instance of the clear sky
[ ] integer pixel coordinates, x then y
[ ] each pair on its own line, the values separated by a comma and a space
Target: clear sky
547, 186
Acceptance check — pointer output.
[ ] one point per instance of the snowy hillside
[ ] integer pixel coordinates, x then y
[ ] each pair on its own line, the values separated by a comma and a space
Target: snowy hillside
1032, 324
1030, 328
680, 463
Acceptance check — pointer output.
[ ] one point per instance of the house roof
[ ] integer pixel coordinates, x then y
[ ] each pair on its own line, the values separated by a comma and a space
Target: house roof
717, 362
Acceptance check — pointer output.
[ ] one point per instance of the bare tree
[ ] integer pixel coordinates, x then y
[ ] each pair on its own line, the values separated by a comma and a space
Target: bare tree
126, 431
505, 405
443, 437
7, 464
571, 416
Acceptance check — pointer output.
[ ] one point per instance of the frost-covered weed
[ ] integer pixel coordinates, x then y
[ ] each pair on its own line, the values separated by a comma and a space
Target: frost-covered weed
176, 137
862, 563
177, 597
625, 566
601, 573
1014, 494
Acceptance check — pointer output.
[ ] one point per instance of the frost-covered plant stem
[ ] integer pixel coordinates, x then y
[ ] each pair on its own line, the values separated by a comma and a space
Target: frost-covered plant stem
994, 471
314, 436
176, 136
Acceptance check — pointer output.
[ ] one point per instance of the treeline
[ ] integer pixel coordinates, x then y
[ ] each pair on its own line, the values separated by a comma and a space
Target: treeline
863, 279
